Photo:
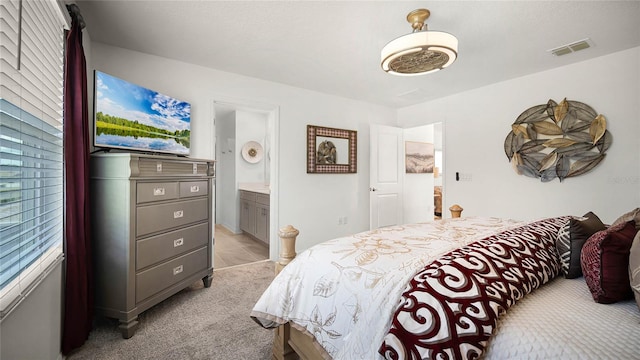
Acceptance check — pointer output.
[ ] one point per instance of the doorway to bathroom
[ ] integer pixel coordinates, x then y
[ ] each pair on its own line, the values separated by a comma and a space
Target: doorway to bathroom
245, 200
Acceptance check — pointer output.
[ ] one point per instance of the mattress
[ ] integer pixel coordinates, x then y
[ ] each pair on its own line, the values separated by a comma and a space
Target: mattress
560, 320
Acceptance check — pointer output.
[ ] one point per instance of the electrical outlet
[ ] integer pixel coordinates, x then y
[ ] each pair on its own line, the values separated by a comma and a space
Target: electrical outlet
345, 220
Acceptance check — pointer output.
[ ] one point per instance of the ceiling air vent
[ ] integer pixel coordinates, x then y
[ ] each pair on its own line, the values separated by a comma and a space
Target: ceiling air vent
573, 47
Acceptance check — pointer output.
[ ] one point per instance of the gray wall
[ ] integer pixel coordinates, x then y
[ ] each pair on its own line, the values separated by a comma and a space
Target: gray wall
476, 123
33, 329
226, 183
297, 108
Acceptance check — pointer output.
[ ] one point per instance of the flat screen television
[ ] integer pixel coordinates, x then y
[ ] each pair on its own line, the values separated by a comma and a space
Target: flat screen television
131, 117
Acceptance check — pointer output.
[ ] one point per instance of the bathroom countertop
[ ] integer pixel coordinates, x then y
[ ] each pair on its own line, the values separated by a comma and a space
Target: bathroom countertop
258, 188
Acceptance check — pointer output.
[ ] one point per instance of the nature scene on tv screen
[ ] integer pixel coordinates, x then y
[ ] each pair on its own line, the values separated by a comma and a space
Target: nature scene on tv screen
129, 116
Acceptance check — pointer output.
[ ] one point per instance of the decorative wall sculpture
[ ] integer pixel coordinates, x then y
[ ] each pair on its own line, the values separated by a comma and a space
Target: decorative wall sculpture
557, 140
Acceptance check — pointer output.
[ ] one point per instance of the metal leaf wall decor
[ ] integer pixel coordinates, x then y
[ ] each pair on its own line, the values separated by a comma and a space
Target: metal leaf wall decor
557, 140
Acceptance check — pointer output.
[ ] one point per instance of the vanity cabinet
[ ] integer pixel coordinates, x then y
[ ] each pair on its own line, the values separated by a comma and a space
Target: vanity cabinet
152, 232
254, 214
248, 212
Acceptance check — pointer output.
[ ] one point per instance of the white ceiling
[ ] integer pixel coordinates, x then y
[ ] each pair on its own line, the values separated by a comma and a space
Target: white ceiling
334, 46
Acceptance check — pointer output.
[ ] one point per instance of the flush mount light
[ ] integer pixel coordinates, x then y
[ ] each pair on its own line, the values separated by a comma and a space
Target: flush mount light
420, 52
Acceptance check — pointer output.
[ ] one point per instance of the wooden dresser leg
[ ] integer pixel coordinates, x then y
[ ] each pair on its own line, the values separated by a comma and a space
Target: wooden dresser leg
128, 328
281, 348
206, 281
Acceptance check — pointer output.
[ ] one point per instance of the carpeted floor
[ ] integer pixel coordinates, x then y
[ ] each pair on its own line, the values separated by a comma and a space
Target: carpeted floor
196, 323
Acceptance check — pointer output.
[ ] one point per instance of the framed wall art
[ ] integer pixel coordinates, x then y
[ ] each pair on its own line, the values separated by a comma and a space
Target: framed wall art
331, 151
419, 157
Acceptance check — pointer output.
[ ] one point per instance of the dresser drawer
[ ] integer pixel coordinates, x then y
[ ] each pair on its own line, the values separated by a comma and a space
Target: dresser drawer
193, 188
147, 192
158, 248
163, 167
158, 278
153, 218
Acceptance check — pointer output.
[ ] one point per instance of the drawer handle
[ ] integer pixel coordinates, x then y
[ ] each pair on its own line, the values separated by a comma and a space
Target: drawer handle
195, 188
178, 214
158, 191
177, 270
178, 242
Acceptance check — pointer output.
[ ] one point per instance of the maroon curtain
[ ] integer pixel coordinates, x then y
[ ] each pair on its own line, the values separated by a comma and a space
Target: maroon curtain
78, 293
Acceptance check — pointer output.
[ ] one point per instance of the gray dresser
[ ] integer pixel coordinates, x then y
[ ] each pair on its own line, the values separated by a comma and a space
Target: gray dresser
152, 232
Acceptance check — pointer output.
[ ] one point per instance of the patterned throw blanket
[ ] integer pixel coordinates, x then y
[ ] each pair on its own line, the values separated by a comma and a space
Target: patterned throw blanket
450, 308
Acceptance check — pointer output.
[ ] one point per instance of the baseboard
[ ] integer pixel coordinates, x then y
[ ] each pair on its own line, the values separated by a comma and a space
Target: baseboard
231, 229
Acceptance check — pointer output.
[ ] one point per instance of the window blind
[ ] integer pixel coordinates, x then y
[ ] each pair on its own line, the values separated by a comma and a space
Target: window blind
31, 155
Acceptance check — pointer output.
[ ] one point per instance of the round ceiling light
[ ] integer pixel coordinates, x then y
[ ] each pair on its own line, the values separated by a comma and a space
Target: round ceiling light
420, 52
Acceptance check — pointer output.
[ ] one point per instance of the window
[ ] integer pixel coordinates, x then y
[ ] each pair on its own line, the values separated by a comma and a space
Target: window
31, 156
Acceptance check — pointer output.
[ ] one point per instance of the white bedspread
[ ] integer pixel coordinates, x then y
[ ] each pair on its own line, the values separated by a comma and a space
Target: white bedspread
345, 291
560, 320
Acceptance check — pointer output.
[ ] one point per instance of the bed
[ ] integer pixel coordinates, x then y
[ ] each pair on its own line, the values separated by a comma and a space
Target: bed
442, 290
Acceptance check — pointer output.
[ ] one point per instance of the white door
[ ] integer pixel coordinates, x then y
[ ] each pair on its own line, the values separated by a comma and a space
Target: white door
385, 189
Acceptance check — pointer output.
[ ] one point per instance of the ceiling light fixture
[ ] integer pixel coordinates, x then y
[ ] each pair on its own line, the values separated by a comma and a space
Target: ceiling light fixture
420, 52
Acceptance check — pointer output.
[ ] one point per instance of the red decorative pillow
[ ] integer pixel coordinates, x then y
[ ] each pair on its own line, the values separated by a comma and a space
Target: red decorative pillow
605, 263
